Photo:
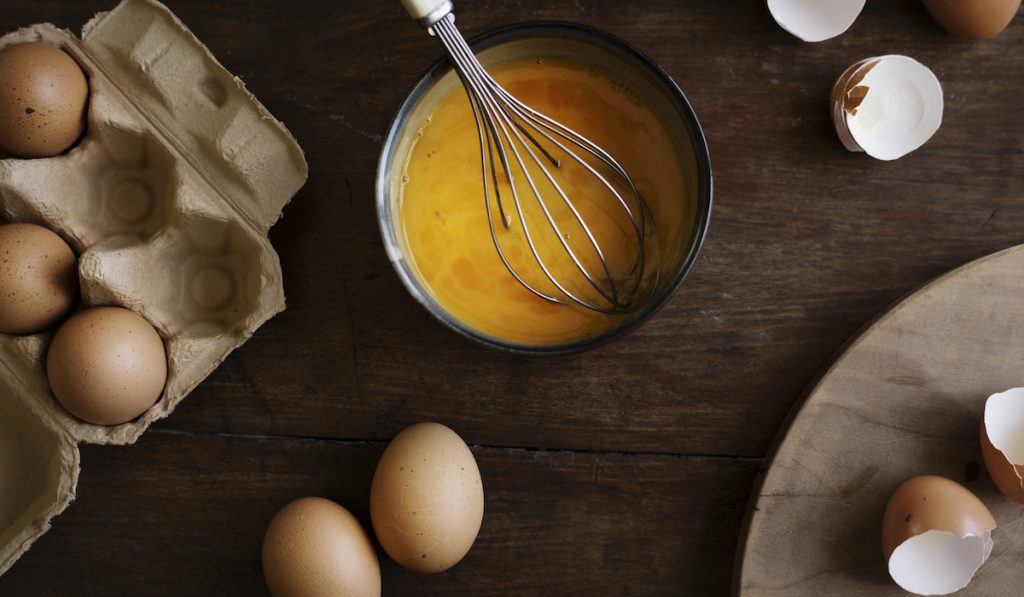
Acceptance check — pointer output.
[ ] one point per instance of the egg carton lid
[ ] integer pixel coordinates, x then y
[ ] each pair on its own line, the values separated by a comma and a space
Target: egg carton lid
39, 463
202, 111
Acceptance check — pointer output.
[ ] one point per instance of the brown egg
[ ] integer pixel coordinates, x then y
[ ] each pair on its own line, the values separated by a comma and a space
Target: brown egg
38, 278
43, 94
935, 535
427, 499
973, 19
107, 365
314, 547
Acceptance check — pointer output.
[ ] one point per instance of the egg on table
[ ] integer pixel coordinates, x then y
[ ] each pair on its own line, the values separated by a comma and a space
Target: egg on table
107, 365
43, 96
427, 499
38, 278
316, 548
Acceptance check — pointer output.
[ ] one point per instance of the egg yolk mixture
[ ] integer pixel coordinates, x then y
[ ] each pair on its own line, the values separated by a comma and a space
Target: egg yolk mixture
444, 219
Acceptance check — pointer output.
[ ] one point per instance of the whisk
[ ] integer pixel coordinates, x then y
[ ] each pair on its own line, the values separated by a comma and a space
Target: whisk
513, 135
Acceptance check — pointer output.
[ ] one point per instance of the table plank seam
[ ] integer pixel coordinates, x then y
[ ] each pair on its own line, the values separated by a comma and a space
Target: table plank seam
373, 442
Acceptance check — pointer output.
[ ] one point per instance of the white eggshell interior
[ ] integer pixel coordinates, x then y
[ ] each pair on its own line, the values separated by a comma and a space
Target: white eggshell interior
938, 562
902, 109
1004, 423
815, 20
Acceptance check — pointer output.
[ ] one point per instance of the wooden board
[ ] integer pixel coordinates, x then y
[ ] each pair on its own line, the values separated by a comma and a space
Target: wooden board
904, 399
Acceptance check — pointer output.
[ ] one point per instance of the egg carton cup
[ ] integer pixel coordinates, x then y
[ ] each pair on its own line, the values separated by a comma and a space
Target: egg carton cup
167, 199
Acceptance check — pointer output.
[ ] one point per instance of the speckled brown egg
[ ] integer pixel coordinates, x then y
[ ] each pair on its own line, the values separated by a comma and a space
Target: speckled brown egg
316, 548
38, 278
427, 499
107, 365
43, 95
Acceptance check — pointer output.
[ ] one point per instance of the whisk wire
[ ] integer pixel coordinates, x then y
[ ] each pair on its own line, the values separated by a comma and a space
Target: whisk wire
544, 122
502, 120
506, 122
638, 224
487, 132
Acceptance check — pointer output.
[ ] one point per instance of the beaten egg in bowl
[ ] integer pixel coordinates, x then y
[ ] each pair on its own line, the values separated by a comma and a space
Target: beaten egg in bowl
431, 196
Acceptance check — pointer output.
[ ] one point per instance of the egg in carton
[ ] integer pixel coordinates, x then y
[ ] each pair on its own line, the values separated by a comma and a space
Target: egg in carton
167, 199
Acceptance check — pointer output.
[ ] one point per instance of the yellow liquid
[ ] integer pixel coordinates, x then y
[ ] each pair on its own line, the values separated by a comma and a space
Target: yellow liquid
444, 220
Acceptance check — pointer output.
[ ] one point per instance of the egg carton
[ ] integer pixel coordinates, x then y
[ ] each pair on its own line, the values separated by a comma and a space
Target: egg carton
167, 199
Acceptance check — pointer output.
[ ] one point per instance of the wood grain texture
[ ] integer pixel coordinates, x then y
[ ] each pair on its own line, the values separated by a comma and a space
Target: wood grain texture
807, 243
556, 522
905, 399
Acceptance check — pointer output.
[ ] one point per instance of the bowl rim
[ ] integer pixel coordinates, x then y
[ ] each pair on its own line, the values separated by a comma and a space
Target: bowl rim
558, 29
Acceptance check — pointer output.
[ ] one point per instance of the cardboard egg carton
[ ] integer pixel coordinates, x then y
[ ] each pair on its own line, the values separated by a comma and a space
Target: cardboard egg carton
167, 200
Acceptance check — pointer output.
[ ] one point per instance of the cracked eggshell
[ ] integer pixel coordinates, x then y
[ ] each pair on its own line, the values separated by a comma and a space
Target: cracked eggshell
1002, 441
427, 499
935, 535
846, 96
815, 21
887, 106
973, 19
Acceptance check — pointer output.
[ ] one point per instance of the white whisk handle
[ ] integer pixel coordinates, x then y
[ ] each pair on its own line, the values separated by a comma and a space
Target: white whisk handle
427, 12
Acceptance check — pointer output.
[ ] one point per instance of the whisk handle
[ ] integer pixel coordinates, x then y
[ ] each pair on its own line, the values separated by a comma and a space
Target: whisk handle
427, 12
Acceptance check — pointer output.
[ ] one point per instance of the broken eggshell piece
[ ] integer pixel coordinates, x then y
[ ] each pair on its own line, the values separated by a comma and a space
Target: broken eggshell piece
1002, 441
886, 106
935, 535
815, 21
847, 94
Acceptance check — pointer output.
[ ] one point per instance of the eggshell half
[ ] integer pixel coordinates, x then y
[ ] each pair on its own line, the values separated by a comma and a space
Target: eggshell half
427, 499
1002, 441
316, 548
935, 535
887, 106
846, 96
817, 20
973, 19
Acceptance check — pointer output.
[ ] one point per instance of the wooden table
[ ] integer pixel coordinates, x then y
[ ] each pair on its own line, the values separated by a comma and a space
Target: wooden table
625, 470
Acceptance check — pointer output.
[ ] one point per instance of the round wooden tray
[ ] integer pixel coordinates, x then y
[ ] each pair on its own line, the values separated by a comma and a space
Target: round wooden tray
905, 398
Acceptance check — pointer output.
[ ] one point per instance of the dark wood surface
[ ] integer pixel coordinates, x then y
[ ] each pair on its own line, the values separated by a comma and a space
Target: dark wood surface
625, 470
